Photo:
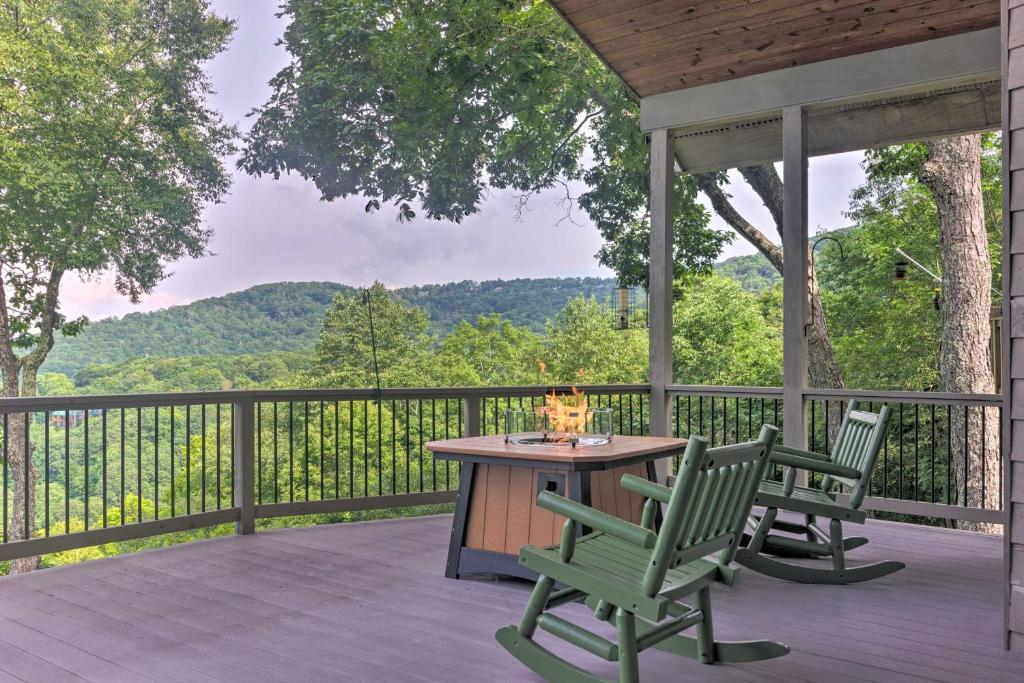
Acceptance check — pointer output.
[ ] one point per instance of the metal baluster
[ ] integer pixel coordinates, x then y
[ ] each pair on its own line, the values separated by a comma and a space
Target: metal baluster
408, 441
259, 454
321, 450
85, 437
419, 432
932, 409
901, 453
714, 438
917, 449
202, 457
305, 455
967, 452
291, 451
138, 463
6, 458
46, 476
174, 483
447, 426
67, 472
351, 448
28, 466
394, 449
217, 416
433, 437
337, 451
981, 440
366, 449
949, 454
380, 454
277, 470
188, 458
156, 462
122, 466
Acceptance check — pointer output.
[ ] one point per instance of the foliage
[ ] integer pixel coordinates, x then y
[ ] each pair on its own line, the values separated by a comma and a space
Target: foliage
285, 316
721, 335
439, 101
583, 345
109, 153
364, 335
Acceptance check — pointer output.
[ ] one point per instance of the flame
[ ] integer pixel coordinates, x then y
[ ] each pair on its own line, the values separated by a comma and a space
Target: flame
566, 414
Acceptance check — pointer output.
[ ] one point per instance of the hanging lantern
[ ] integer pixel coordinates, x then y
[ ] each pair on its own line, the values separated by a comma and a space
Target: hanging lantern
901, 270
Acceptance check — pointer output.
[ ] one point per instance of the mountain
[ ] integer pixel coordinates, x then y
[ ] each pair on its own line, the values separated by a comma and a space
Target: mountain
753, 272
285, 316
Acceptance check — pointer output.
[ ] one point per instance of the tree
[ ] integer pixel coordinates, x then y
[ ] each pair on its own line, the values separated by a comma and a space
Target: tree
110, 154
722, 336
490, 352
584, 345
345, 354
960, 174
437, 101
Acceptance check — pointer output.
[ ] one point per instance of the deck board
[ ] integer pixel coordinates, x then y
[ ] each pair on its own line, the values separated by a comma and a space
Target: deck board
369, 602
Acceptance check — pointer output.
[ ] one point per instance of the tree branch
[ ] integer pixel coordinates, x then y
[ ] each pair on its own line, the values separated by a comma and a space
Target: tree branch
768, 186
707, 184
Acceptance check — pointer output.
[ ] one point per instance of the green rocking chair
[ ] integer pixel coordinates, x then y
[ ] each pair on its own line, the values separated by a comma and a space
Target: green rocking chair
860, 438
636, 577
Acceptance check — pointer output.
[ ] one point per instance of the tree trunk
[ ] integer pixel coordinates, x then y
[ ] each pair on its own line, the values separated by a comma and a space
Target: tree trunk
953, 174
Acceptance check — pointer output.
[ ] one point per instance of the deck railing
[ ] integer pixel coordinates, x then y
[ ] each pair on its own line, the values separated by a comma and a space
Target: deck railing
930, 436
114, 468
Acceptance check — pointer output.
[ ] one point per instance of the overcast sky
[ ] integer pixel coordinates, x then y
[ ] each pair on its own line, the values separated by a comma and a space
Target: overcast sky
269, 231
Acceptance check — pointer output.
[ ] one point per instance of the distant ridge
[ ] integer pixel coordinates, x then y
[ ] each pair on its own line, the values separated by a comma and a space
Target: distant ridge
285, 316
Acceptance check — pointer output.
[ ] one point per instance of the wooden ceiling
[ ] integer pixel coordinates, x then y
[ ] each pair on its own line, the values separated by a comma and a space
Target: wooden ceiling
658, 46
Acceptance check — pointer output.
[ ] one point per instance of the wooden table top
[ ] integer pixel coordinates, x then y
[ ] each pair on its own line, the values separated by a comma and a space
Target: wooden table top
620, 448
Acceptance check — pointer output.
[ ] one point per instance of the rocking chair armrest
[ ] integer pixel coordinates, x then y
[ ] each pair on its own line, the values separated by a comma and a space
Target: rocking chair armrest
646, 488
820, 466
789, 450
597, 520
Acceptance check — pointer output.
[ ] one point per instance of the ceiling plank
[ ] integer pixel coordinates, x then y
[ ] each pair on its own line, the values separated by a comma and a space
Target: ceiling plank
658, 46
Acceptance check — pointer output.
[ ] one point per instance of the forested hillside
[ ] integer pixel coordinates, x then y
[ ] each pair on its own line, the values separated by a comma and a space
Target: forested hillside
753, 272
286, 316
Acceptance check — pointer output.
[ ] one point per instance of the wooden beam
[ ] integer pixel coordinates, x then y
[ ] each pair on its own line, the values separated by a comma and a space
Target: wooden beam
794, 277
832, 130
904, 70
660, 280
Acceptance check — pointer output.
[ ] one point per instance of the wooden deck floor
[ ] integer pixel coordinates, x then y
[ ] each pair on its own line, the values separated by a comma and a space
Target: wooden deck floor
368, 602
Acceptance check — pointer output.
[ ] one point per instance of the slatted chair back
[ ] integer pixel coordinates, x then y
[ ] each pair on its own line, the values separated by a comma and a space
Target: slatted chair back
860, 438
710, 501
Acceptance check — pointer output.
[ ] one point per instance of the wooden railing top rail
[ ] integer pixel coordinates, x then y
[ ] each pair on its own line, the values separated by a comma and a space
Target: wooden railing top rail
924, 397
146, 400
724, 390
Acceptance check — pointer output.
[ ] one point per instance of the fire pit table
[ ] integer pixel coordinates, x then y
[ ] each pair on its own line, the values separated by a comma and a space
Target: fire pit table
496, 511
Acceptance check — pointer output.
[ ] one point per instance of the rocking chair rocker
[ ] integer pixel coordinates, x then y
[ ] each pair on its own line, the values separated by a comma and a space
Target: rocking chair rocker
856, 448
635, 577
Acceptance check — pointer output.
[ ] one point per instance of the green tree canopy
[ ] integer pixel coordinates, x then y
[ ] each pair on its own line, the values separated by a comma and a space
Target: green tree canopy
110, 153
430, 103
345, 352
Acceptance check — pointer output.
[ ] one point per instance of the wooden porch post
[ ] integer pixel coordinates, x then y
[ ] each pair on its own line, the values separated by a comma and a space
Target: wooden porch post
660, 284
794, 278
